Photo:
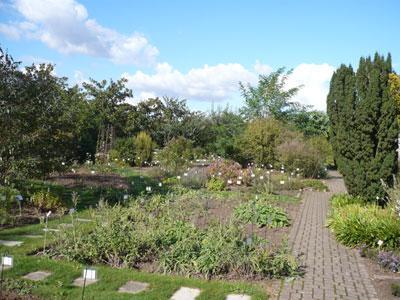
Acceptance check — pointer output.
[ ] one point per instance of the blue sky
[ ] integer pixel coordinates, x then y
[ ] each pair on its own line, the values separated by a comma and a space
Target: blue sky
200, 50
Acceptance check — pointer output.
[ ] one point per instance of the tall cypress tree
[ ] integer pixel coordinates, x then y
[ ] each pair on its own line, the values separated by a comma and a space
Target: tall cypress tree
363, 126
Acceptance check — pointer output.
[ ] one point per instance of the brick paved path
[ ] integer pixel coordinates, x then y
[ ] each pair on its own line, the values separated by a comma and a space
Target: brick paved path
332, 270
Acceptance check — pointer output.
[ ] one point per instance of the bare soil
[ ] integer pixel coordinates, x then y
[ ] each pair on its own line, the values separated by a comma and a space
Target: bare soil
72, 180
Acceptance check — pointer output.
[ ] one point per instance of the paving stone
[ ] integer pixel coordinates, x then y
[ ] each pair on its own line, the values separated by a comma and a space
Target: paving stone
10, 243
32, 236
51, 230
79, 281
185, 293
66, 225
83, 220
133, 287
238, 297
332, 270
37, 276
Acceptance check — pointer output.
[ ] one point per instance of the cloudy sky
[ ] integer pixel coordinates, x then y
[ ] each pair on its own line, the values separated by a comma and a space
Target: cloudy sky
200, 50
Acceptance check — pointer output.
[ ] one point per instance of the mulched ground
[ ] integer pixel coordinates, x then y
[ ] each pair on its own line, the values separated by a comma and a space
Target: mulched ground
380, 279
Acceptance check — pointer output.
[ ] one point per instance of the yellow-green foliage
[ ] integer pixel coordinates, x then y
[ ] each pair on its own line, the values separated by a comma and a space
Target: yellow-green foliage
356, 224
46, 201
144, 146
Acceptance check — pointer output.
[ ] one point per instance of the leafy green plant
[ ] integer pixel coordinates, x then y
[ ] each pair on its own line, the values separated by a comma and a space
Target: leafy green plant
44, 200
262, 214
356, 224
18, 286
216, 184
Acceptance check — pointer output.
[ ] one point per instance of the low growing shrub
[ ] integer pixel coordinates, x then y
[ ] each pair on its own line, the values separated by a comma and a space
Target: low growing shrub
46, 201
216, 184
262, 214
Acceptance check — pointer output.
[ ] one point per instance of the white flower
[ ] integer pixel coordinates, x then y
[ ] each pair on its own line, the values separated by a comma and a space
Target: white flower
178, 177
229, 181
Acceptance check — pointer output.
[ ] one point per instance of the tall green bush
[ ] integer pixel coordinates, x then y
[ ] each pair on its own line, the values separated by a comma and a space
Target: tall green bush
144, 147
364, 129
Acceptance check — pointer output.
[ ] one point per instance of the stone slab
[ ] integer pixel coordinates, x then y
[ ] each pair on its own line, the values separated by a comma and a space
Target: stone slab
185, 293
133, 287
10, 243
79, 281
238, 297
83, 220
66, 225
51, 230
37, 276
32, 236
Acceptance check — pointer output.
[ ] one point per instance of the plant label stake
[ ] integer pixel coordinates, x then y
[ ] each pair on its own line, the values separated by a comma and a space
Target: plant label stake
45, 231
19, 199
6, 261
88, 274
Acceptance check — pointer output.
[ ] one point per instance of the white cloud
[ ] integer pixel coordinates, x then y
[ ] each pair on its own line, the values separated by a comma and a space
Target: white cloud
220, 82
315, 79
64, 25
207, 83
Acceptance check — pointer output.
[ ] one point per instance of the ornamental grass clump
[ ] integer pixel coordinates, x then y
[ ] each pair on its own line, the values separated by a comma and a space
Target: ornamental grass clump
356, 224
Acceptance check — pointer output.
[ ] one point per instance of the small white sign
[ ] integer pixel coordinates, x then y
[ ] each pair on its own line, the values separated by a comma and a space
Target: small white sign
178, 177
185, 174
148, 189
261, 177
7, 261
282, 182
125, 197
282, 171
89, 274
240, 177
238, 182
160, 184
229, 181
253, 175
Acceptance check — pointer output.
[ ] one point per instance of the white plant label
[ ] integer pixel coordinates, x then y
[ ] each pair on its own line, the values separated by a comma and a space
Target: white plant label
7, 261
89, 274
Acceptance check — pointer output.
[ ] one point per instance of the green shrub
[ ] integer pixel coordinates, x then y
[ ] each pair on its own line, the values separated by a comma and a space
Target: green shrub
300, 153
216, 184
176, 155
262, 214
395, 289
144, 147
46, 201
355, 224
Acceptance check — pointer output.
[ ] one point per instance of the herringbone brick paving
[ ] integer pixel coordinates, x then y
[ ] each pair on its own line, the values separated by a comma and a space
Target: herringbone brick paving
332, 270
